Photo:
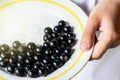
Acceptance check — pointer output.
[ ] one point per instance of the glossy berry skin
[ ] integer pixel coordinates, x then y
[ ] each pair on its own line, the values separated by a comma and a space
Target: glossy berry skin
4, 48
16, 44
71, 41
20, 71
13, 60
54, 56
31, 46
68, 51
53, 43
11, 69
20, 64
41, 71
29, 60
49, 68
14, 52
22, 49
37, 57
57, 63
67, 29
62, 23
64, 58
33, 73
63, 38
57, 51
47, 37
4, 63
28, 67
1, 58
71, 34
46, 60
45, 44
30, 53
58, 29
48, 30
5, 55
39, 49
22, 56
36, 66
48, 51
55, 34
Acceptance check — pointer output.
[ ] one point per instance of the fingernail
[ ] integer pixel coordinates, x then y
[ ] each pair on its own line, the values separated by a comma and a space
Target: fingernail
83, 46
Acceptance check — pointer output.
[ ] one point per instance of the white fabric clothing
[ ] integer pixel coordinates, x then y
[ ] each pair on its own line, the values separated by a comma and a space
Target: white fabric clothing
86, 5
108, 67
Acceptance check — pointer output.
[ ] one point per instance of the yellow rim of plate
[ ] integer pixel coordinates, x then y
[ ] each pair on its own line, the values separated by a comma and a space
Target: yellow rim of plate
68, 10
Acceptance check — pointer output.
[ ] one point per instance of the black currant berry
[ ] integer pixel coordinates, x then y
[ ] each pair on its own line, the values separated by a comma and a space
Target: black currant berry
67, 29
20, 64
46, 60
16, 44
31, 46
33, 73
4, 48
29, 60
5, 55
48, 30
1, 58
57, 51
20, 71
48, 51
38, 57
4, 63
28, 67
14, 52
41, 71
22, 49
49, 68
47, 37
54, 56
58, 29
13, 60
62, 23
53, 43
30, 53
64, 57
63, 37
68, 51
46, 44
22, 56
11, 68
71, 41
71, 34
57, 63
36, 65
39, 49
55, 35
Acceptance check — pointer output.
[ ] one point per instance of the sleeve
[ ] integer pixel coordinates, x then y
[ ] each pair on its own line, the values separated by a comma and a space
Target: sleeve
86, 5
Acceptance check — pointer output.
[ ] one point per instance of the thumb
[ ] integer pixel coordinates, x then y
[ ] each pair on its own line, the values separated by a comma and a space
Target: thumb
89, 33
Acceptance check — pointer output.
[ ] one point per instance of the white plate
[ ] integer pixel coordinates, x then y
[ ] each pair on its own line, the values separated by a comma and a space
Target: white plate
25, 20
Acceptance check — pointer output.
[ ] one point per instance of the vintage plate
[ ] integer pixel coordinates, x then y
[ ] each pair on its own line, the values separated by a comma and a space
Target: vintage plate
25, 20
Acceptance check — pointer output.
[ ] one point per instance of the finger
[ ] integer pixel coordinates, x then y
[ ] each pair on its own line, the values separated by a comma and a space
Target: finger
89, 33
100, 48
115, 44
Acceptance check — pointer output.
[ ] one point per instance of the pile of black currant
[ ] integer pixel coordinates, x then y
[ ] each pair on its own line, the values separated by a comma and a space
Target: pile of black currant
31, 60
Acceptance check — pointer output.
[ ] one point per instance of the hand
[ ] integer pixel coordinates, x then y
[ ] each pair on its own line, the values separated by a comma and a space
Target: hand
104, 18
